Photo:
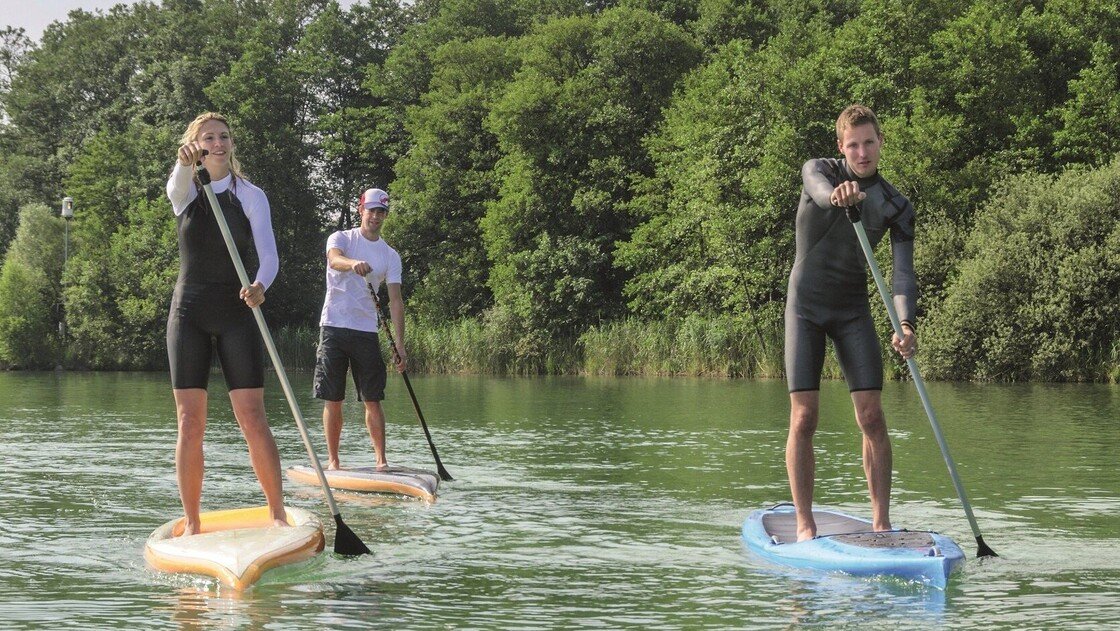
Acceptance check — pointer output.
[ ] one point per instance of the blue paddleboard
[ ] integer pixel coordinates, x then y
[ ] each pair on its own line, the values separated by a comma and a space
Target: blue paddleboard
848, 544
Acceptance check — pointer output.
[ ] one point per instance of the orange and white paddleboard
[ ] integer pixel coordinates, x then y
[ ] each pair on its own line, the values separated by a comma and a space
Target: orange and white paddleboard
397, 480
235, 546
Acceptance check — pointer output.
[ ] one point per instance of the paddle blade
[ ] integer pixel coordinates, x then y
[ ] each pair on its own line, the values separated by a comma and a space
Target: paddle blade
983, 550
443, 474
346, 542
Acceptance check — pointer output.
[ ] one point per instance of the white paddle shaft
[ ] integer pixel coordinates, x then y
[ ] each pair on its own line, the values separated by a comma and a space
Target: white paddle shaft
896, 324
269, 344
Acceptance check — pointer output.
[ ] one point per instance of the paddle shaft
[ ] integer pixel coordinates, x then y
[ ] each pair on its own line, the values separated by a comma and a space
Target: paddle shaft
204, 177
443, 474
896, 324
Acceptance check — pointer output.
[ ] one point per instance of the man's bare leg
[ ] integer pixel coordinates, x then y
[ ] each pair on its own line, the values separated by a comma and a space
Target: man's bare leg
877, 458
800, 462
332, 430
375, 422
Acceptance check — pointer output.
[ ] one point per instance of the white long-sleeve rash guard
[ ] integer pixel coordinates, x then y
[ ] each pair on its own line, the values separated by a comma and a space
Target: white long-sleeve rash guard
182, 191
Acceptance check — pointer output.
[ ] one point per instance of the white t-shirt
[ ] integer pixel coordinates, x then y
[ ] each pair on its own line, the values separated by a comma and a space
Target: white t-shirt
348, 304
182, 191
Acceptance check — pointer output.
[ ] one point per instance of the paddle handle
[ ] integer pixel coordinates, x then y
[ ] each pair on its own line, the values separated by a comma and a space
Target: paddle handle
912, 364
204, 177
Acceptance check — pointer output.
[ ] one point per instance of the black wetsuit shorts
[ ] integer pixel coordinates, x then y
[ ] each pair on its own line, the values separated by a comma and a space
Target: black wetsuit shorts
214, 319
857, 350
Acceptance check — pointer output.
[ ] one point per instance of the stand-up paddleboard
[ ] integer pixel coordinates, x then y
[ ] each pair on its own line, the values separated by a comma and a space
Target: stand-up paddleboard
398, 480
848, 544
235, 546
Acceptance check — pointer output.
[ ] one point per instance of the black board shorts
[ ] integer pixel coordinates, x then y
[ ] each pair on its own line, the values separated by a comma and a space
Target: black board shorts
340, 349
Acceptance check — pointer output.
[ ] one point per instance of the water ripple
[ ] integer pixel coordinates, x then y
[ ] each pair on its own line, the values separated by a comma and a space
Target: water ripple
578, 503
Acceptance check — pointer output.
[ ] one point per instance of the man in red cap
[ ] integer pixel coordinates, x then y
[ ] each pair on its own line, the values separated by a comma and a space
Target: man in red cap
348, 325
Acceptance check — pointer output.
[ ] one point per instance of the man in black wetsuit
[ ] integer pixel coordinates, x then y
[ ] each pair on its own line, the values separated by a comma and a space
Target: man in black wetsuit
828, 297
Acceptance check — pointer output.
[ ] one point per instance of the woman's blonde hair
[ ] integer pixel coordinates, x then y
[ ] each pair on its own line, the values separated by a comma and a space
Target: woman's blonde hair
191, 135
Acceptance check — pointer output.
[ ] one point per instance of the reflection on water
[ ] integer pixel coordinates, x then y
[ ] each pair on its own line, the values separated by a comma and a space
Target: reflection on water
577, 503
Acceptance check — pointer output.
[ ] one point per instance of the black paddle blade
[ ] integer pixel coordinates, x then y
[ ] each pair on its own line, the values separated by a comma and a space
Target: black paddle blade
444, 475
346, 542
983, 550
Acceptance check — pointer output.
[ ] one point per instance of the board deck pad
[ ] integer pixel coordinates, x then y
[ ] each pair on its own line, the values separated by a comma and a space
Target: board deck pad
396, 480
894, 539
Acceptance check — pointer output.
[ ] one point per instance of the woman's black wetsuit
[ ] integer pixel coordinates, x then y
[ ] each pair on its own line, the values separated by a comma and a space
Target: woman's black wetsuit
206, 309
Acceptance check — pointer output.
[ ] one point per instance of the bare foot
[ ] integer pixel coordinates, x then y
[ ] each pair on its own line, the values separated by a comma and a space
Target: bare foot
806, 532
333, 465
190, 528
882, 527
280, 523
381, 466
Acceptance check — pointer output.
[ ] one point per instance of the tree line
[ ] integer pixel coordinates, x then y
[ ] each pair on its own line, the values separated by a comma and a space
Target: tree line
561, 167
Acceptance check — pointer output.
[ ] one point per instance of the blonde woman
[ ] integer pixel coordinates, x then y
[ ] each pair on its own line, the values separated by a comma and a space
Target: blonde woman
210, 310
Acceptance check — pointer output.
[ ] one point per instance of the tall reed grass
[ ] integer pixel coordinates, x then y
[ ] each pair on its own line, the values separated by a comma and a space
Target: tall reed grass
296, 346
695, 346
726, 347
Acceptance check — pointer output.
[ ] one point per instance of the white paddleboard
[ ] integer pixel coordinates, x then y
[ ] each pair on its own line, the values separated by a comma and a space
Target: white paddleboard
398, 480
235, 546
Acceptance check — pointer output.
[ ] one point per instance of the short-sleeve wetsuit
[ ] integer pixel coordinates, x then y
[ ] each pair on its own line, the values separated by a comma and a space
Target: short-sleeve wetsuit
206, 309
828, 283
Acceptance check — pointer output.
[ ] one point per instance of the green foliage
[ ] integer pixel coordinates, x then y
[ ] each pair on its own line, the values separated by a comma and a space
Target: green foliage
570, 127
405, 76
30, 291
1038, 291
679, 12
27, 339
267, 106
143, 267
710, 243
14, 46
332, 60
719, 22
104, 181
446, 179
558, 166
1090, 130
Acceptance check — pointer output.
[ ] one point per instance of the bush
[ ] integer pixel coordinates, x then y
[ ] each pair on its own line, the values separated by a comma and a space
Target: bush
1037, 295
30, 292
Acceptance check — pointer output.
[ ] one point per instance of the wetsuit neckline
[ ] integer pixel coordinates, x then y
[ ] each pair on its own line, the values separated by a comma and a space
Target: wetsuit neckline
863, 181
228, 182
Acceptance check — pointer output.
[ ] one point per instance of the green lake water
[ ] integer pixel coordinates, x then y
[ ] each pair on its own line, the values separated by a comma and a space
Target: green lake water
578, 503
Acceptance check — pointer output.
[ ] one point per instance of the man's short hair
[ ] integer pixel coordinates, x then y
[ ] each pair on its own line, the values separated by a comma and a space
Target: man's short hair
854, 116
